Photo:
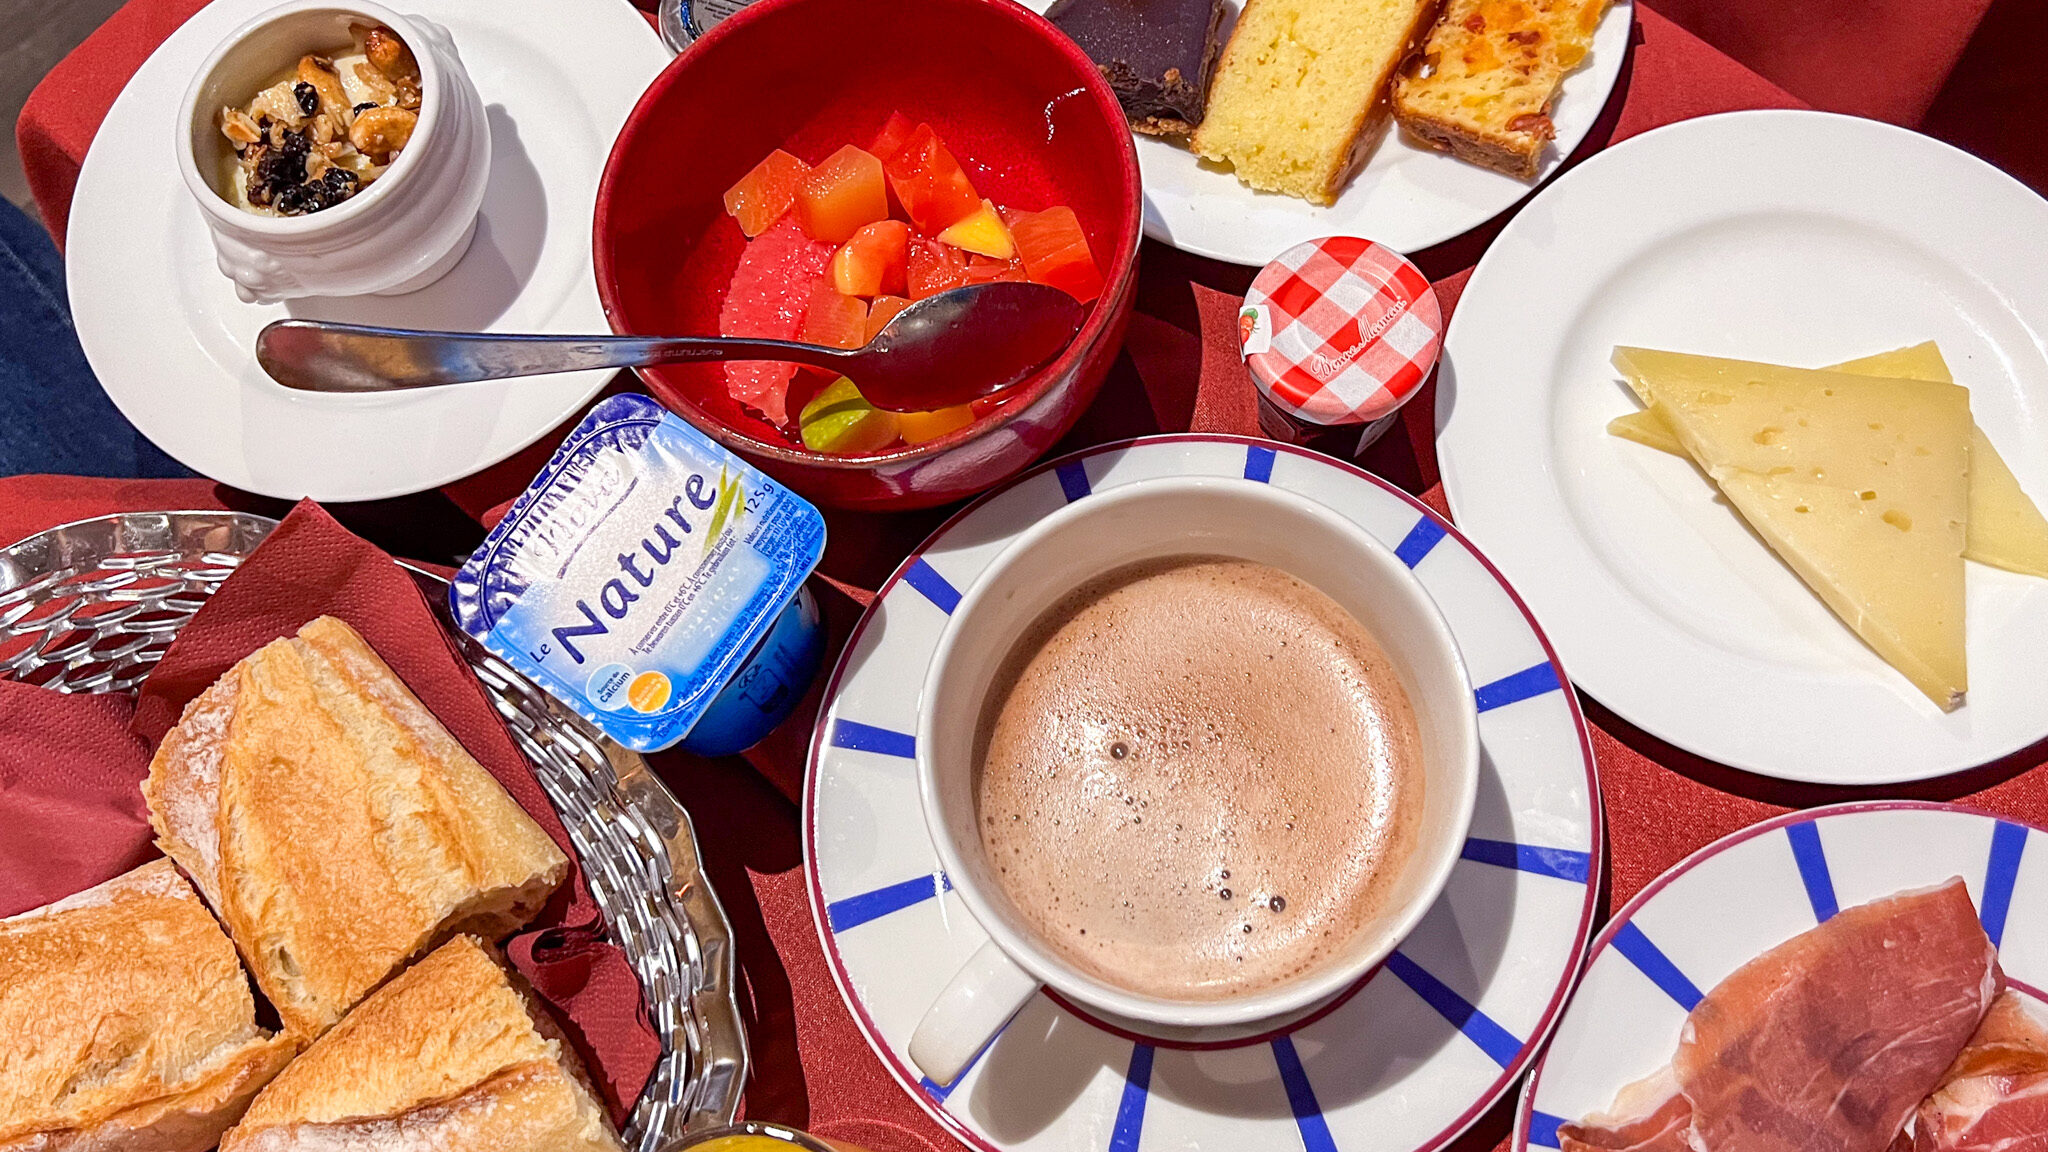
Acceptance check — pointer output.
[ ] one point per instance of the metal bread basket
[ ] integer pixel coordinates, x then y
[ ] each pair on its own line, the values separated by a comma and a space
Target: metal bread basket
92, 606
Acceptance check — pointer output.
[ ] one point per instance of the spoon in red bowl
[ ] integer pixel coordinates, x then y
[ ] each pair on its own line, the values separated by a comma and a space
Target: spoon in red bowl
942, 351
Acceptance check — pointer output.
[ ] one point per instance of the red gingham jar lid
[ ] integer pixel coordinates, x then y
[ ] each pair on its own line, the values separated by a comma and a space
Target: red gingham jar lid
1340, 330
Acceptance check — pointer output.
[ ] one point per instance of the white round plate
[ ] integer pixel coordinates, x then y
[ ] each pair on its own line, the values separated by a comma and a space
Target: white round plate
1407, 196
1750, 891
175, 348
1791, 237
1406, 1061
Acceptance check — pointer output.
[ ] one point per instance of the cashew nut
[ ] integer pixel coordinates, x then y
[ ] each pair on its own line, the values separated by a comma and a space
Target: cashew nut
391, 56
236, 125
319, 72
380, 132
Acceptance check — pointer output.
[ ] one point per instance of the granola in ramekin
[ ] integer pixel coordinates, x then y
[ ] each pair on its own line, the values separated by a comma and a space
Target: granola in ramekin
326, 128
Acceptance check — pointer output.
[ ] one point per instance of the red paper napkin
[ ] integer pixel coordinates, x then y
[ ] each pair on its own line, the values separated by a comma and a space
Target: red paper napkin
70, 794
811, 1065
71, 766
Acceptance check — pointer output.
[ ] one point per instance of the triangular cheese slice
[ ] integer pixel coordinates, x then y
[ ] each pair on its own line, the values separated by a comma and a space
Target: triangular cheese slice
1861, 485
2006, 529
1922, 361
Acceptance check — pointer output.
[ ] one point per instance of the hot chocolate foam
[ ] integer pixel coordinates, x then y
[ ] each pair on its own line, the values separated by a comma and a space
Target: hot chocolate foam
1199, 778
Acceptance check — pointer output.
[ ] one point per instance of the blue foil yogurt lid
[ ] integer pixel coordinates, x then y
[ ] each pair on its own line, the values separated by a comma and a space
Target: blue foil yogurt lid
639, 571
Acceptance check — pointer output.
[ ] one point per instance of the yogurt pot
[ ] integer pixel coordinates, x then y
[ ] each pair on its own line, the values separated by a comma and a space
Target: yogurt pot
1338, 334
402, 232
653, 583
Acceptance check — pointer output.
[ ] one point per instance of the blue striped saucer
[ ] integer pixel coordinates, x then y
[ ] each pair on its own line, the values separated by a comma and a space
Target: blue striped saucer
1404, 1063
1751, 890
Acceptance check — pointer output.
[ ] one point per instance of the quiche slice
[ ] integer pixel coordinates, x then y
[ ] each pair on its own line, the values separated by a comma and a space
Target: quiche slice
1484, 84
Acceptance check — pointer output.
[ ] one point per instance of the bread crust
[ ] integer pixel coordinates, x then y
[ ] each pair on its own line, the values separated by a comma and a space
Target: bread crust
450, 1054
336, 826
126, 1022
1489, 75
1513, 154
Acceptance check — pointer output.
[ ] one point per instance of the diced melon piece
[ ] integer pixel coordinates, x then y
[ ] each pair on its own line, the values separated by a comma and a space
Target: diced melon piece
934, 268
1055, 251
763, 195
834, 320
839, 420
918, 427
883, 310
890, 139
841, 196
981, 232
874, 261
932, 187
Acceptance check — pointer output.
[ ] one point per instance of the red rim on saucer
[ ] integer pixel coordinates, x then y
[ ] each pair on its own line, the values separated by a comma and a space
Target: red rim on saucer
1340, 331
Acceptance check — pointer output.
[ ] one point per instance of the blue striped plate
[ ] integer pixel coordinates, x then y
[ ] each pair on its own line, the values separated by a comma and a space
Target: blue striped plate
1751, 890
1407, 1060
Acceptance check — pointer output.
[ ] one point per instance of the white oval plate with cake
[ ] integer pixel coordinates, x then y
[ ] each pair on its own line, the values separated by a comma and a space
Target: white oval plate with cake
1405, 1060
1406, 195
1750, 891
175, 349
1797, 238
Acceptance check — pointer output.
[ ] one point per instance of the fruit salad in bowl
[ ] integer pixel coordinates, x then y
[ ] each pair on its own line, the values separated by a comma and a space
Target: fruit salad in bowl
844, 160
886, 225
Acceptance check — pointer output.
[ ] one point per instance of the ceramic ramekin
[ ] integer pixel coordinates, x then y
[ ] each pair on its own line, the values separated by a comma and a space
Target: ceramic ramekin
401, 233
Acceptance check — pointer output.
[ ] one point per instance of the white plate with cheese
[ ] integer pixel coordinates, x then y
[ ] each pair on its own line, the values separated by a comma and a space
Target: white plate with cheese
1795, 238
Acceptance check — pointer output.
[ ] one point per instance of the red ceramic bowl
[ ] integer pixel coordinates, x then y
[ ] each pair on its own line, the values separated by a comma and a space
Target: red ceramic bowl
1025, 111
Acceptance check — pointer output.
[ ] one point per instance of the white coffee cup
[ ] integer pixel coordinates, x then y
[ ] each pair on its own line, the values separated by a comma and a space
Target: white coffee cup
1139, 521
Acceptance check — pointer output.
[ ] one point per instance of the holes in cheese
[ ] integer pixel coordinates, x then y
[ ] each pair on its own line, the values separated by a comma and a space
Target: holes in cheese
1894, 576
2005, 529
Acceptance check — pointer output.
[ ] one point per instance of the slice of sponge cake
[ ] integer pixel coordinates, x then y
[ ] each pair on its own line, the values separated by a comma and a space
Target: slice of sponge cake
1300, 88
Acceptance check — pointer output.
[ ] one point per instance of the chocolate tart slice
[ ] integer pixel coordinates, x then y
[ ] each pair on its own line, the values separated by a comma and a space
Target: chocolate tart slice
1156, 54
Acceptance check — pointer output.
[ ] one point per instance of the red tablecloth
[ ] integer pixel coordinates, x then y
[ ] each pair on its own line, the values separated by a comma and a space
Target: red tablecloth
811, 1066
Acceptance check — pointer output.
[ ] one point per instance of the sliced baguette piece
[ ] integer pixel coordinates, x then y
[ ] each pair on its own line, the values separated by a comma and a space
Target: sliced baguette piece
450, 1054
337, 828
1487, 78
126, 1022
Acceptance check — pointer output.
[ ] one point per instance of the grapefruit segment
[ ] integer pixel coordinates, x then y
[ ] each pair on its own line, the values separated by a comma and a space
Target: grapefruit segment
874, 261
935, 267
834, 320
766, 300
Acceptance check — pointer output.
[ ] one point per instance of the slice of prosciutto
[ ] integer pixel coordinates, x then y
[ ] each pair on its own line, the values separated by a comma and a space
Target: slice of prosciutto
1828, 1042
1994, 1097
1650, 1115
